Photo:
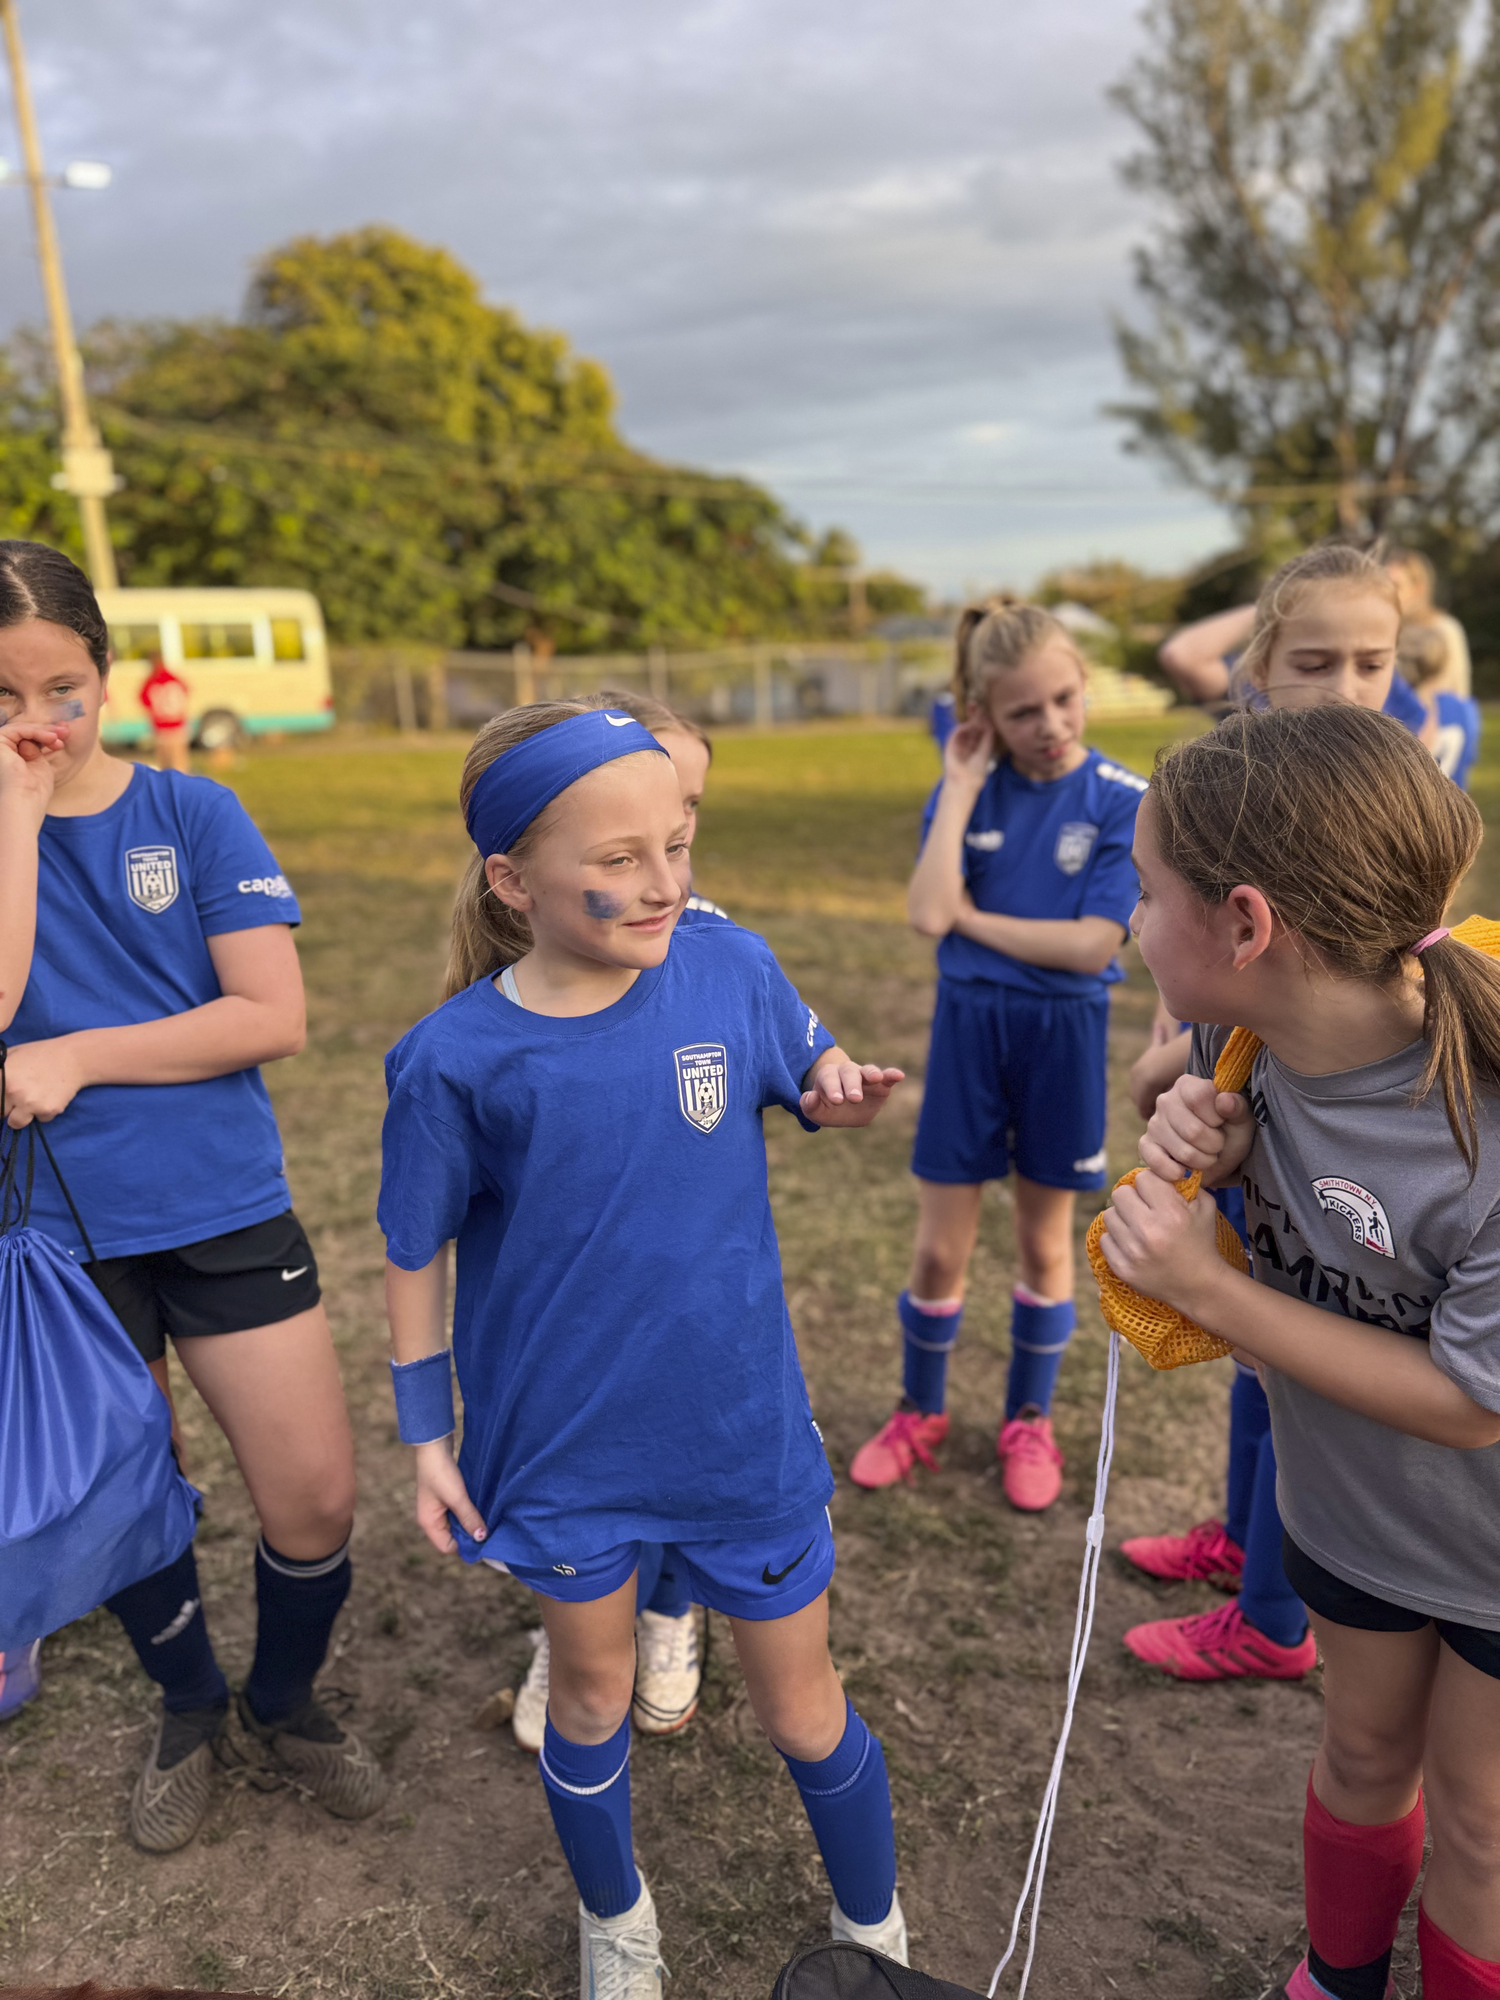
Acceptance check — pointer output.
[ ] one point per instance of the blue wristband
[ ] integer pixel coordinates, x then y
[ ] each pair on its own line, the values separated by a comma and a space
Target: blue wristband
424, 1398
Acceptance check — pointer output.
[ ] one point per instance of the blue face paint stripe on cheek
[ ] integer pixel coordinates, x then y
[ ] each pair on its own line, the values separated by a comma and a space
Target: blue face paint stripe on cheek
601, 905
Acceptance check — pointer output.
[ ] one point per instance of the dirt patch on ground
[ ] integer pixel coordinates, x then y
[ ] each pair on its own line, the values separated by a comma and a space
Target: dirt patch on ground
1175, 1868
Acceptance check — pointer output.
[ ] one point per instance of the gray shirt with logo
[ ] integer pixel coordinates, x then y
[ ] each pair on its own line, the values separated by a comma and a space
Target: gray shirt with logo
1359, 1202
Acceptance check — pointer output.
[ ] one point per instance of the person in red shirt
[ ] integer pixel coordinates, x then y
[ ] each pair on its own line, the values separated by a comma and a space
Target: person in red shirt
164, 696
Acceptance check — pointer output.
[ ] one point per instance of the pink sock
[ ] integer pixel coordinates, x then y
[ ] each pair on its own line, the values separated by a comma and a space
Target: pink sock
1448, 1971
1357, 1881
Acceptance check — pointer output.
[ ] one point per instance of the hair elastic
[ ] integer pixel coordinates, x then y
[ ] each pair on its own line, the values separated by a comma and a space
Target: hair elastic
525, 779
1432, 937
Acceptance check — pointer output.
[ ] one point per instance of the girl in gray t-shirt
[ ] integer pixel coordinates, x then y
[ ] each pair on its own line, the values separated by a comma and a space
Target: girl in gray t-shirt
1295, 870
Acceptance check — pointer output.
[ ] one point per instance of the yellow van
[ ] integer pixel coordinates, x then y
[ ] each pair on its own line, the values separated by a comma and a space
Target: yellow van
255, 661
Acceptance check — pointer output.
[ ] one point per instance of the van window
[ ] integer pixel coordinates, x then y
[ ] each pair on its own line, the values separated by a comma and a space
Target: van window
218, 642
286, 639
135, 642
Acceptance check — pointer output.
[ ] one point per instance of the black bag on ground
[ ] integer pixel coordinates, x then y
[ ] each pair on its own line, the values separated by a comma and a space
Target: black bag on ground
849, 1972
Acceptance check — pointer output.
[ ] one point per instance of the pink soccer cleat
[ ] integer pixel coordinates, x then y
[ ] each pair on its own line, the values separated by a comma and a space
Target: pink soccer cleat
1205, 1554
1219, 1646
1031, 1461
905, 1437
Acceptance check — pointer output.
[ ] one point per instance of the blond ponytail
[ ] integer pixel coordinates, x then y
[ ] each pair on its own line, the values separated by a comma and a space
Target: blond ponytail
488, 934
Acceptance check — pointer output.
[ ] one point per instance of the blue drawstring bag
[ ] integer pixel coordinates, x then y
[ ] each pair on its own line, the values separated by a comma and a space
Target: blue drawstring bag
90, 1495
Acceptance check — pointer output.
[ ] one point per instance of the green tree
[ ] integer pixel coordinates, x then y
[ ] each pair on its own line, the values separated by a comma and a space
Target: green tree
1323, 342
432, 467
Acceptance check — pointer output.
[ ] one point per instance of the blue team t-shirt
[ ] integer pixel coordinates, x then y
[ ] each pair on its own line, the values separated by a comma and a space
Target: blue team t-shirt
1056, 848
127, 899
1458, 736
620, 1332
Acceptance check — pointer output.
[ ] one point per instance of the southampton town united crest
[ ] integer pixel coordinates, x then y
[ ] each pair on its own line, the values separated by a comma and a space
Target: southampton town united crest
151, 877
702, 1083
1075, 843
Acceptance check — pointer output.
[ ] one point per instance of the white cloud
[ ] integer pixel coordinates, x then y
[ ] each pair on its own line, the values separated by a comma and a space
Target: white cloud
873, 243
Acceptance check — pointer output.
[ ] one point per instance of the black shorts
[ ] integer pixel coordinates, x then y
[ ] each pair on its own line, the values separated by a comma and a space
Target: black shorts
246, 1277
1346, 1604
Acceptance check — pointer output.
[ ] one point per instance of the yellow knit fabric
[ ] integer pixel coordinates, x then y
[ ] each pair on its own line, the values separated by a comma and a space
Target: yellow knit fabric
1483, 933
1165, 1336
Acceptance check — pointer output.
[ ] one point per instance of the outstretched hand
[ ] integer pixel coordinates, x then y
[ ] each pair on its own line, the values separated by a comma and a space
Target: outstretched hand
843, 1092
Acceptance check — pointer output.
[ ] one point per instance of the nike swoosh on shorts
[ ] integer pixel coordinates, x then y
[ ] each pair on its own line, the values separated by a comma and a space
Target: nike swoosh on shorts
783, 1574
287, 1276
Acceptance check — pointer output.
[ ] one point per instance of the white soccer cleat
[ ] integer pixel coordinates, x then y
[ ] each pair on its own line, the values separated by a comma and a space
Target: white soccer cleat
529, 1721
619, 1958
888, 1936
667, 1672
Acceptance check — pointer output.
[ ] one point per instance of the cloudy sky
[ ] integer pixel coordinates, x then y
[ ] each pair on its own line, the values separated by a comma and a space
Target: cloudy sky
866, 253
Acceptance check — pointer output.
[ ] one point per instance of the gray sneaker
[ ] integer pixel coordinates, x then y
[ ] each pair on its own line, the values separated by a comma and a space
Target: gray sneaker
170, 1800
322, 1757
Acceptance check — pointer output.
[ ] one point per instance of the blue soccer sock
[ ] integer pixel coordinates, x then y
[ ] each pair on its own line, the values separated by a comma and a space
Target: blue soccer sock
1039, 1334
928, 1334
848, 1802
163, 1619
648, 1574
671, 1597
297, 1603
1267, 1600
588, 1789
1249, 1422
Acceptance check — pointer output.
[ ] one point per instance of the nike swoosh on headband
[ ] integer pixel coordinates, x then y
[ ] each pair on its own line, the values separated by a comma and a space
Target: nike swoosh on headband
619, 721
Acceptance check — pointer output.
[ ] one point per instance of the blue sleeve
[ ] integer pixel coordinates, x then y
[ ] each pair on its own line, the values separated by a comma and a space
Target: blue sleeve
792, 1039
237, 885
1406, 705
1112, 887
427, 1177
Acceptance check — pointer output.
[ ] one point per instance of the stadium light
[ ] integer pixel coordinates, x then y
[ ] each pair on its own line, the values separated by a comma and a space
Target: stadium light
90, 174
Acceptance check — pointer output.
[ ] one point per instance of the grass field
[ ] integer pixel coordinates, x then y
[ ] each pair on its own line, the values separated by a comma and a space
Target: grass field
1176, 1866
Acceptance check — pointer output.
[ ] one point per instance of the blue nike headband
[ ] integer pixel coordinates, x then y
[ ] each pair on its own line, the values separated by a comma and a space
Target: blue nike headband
528, 777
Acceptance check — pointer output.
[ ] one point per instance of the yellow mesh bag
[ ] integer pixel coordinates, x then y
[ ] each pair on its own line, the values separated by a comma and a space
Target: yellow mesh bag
1483, 933
1166, 1337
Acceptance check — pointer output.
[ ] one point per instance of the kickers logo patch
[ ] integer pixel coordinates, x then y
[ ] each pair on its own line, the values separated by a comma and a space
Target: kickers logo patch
151, 877
702, 1083
1367, 1220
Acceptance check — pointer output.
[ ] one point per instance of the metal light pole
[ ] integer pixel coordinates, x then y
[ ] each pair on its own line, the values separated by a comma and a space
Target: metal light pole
88, 472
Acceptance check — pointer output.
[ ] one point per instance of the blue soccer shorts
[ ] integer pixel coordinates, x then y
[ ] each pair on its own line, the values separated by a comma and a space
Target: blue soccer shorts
1014, 1080
767, 1578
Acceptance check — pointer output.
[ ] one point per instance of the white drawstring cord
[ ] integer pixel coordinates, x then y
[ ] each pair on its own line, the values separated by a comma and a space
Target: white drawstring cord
1083, 1626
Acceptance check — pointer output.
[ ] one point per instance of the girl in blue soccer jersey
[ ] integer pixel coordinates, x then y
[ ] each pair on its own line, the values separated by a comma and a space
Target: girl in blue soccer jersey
146, 969
583, 1116
668, 1669
1025, 879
